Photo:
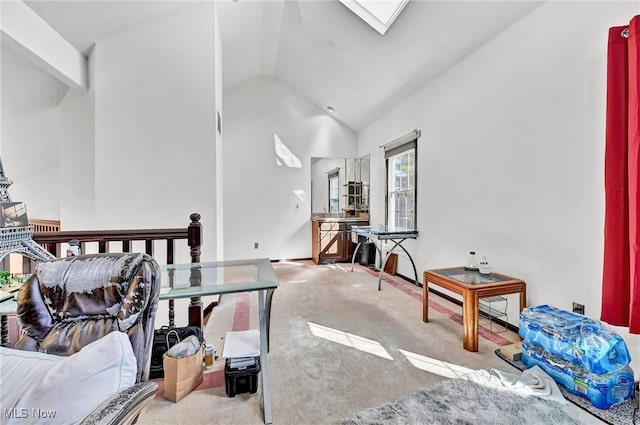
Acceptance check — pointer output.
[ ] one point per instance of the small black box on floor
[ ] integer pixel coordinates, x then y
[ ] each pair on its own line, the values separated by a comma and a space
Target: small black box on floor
241, 375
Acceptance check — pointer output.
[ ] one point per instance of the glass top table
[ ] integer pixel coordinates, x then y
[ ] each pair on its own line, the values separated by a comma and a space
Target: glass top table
472, 277
471, 285
194, 280
396, 235
385, 232
214, 278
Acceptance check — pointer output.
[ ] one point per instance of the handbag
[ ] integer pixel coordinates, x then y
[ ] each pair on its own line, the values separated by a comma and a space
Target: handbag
165, 338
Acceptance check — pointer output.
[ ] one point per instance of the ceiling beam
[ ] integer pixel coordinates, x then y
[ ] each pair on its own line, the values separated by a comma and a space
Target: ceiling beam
26, 32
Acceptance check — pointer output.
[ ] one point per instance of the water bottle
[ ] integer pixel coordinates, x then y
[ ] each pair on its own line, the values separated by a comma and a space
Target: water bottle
484, 266
472, 263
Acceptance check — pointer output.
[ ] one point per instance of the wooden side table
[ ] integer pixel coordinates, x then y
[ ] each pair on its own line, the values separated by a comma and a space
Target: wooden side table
472, 286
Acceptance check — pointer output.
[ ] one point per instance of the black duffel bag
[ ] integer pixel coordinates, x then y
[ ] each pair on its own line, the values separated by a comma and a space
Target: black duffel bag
165, 338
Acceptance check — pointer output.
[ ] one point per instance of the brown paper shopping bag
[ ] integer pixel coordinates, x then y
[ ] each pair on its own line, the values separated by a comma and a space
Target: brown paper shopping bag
181, 376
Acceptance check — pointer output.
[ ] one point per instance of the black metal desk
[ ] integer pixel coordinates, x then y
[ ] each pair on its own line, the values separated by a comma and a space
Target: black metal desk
385, 233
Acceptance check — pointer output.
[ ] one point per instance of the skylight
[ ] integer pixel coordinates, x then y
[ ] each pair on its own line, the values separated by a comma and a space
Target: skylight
380, 14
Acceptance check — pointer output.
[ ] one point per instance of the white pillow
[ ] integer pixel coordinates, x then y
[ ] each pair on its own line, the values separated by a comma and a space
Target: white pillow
38, 388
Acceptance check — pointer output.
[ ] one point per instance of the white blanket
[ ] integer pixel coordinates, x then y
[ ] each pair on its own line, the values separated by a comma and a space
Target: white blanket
533, 381
39, 388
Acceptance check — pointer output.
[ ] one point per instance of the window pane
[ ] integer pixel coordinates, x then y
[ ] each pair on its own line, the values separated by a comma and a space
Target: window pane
334, 194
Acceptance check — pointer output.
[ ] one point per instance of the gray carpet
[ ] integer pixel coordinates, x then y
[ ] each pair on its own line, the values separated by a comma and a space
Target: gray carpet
459, 401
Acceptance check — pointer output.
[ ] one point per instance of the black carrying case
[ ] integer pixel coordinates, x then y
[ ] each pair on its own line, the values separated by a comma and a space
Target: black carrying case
238, 381
165, 338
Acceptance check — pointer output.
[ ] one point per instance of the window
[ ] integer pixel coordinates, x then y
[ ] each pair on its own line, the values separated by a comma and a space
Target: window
334, 191
401, 181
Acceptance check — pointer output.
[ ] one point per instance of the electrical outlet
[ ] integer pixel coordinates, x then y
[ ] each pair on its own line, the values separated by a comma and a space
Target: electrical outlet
578, 308
255, 245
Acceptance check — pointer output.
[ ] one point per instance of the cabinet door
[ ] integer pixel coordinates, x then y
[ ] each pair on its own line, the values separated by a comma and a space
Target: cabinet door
330, 241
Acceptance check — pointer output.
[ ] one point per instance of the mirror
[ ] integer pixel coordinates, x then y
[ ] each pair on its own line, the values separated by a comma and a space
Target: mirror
339, 186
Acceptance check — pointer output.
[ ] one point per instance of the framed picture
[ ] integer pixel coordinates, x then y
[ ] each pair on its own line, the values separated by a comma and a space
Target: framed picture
13, 214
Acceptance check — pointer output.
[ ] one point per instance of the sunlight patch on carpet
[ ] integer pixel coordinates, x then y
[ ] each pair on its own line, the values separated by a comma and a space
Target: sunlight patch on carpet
350, 340
334, 266
438, 367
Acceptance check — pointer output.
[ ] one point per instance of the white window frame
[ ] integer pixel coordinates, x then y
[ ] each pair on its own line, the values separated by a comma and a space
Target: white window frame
405, 190
334, 189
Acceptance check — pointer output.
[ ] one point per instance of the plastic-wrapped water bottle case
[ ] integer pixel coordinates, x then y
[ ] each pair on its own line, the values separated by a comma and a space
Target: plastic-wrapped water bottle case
579, 339
583, 355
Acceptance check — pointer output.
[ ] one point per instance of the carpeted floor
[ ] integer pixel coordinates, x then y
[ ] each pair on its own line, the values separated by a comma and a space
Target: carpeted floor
338, 346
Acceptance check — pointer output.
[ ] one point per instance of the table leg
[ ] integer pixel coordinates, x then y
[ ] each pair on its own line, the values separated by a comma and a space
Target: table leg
470, 320
264, 359
523, 299
425, 300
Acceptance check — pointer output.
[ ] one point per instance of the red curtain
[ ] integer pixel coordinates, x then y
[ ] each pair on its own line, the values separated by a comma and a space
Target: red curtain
621, 269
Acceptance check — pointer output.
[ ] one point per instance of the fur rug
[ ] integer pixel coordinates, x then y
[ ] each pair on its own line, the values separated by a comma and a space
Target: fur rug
463, 402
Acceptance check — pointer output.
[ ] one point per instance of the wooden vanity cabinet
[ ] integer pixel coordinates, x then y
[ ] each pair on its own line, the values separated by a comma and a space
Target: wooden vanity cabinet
331, 240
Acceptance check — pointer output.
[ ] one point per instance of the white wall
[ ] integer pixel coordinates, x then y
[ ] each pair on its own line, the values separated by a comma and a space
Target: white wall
260, 205
29, 134
138, 149
155, 141
77, 160
511, 155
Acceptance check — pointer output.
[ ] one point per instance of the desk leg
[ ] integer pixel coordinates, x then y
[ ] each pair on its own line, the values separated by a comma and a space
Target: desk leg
415, 271
470, 320
353, 257
264, 359
523, 299
382, 270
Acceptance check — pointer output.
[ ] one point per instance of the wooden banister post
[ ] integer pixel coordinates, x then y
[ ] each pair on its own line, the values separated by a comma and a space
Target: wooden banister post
194, 232
194, 239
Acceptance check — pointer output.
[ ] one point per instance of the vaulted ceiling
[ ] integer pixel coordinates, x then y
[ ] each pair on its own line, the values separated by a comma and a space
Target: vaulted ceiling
319, 48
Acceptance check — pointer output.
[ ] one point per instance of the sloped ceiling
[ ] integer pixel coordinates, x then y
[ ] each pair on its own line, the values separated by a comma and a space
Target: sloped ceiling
328, 54
319, 48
